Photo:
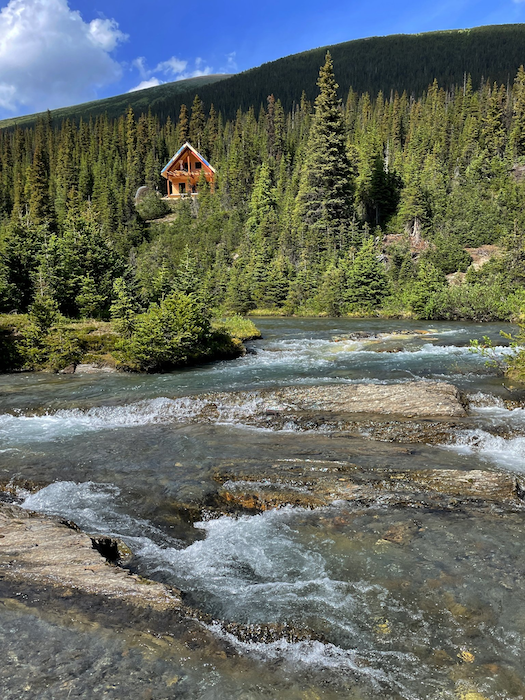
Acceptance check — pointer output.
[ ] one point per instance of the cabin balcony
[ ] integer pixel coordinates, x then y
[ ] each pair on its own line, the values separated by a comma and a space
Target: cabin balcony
184, 174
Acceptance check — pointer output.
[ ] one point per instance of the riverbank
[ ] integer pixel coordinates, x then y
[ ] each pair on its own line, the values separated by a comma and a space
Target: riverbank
71, 346
516, 315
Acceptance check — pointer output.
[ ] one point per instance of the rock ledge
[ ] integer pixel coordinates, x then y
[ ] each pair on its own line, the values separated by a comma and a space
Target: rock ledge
46, 551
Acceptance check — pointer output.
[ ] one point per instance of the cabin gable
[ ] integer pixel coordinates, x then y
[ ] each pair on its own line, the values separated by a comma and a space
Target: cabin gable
184, 171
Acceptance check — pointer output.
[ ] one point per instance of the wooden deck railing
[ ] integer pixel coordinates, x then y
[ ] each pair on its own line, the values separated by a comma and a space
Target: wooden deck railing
182, 174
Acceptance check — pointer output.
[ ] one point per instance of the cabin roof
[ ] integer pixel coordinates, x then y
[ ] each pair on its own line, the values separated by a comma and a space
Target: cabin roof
181, 150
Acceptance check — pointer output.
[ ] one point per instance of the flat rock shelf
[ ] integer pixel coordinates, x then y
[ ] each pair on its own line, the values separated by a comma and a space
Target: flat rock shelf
47, 551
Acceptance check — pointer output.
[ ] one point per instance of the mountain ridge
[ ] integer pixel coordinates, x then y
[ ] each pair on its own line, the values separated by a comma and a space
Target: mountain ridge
392, 63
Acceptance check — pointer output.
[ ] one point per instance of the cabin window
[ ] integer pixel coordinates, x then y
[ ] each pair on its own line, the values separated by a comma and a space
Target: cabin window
198, 166
182, 187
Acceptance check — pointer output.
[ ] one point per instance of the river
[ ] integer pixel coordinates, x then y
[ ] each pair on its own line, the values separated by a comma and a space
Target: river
438, 612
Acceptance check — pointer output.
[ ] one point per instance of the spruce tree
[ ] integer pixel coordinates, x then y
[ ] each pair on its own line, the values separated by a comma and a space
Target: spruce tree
367, 283
197, 124
123, 309
517, 135
188, 274
37, 183
263, 198
89, 301
324, 201
426, 295
182, 126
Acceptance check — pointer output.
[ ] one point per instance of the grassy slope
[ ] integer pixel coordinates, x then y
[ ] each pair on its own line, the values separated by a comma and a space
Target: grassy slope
399, 62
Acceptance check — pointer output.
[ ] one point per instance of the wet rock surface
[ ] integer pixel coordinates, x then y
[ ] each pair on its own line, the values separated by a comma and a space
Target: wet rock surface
313, 485
412, 399
92, 368
65, 570
47, 551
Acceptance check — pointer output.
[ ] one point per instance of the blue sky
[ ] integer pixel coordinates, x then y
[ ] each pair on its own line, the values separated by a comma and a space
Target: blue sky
60, 52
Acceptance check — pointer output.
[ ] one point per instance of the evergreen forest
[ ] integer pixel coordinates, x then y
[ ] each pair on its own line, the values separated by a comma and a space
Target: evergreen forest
357, 206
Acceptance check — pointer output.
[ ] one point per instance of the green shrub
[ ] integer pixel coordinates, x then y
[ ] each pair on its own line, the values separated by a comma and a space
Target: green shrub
480, 302
426, 296
151, 206
447, 255
175, 332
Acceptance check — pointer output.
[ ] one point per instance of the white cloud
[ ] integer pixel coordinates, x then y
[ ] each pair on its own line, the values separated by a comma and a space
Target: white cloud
231, 64
173, 66
172, 69
105, 33
140, 64
50, 57
152, 82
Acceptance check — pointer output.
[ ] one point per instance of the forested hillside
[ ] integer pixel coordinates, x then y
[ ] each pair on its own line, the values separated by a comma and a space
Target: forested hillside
387, 64
361, 207
150, 99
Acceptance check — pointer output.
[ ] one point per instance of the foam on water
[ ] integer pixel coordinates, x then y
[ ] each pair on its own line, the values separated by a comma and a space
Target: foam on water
94, 508
250, 563
251, 569
310, 360
284, 566
504, 453
304, 361
67, 423
325, 350
333, 579
314, 655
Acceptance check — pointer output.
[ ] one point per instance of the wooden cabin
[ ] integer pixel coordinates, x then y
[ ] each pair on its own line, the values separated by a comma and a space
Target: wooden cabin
184, 171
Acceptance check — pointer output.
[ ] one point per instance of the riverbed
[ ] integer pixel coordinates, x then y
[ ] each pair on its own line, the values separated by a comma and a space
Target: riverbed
343, 600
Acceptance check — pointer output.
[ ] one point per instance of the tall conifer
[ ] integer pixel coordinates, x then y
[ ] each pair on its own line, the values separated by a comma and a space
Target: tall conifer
182, 126
324, 201
197, 123
37, 183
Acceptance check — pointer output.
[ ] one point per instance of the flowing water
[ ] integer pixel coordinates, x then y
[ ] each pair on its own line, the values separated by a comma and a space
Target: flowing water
438, 612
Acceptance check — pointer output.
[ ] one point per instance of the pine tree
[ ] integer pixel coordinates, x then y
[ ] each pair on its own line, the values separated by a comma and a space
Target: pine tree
188, 274
517, 135
43, 312
493, 129
263, 198
66, 170
328, 299
37, 183
89, 302
123, 309
426, 294
210, 133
